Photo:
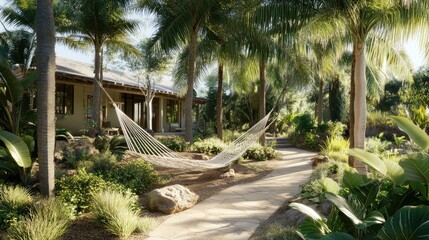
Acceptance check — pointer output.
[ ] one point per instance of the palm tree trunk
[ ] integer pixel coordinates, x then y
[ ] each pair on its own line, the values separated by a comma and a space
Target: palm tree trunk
219, 101
320, 102
45, 55
96, 93
262, 84
359, 102
190, 91
335, 100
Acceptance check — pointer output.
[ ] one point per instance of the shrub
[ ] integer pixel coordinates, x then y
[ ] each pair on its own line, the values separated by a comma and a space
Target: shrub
260, 153
303, 123
279, 232
210, 146
230, 135
14, 205
102, 163
331, 169
311, 141
116, 145
78, 151
138, 175
336, 148
335, 129
75, 191
174, 143
48, 220
118, 214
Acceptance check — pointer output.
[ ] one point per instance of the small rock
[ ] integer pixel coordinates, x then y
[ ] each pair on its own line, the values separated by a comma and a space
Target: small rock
171, 199
229, 173
200, 157
325, 208
318, 160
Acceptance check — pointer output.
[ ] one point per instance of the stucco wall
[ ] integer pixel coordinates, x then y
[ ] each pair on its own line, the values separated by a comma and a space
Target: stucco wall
76, 122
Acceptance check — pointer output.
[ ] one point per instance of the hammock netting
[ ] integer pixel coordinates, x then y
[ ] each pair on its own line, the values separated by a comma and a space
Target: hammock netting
150, 149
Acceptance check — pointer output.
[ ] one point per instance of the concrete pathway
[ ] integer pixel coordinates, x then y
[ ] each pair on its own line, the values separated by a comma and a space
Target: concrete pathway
236, 212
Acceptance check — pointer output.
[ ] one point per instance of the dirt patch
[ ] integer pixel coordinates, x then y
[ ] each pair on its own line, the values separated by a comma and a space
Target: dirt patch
205, 183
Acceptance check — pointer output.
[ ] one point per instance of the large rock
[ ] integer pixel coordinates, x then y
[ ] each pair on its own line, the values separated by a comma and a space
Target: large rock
171, 199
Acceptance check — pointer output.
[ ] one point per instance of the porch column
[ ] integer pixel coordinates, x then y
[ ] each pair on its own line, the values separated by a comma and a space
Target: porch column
161, 114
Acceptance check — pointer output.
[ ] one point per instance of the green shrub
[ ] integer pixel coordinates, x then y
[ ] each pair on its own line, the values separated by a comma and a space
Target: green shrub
78, 151
138, 175
260, 153
102, 163
377, 146
75, 191
303, 123
174, 143
14, 205
279, 232
118, 214
48, 220
210, 146
311, 141
336, 148
335, 129
116, 145
378, 118
230, 135
331, 169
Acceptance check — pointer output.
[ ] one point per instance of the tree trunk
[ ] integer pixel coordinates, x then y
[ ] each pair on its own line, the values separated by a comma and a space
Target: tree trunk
190, 91
262, 84
335, 100
320, 102
45, 55
359, 102
96, 93
149, 114
219, 111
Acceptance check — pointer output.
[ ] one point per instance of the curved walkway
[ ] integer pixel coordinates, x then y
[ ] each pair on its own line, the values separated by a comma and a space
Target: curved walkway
236, 212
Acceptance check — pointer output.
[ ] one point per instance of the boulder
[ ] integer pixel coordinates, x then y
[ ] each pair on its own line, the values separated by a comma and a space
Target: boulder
200, 157
229, 173
171, 199
318, 160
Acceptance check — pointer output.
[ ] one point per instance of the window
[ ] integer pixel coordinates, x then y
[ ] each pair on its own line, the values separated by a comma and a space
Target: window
173, 111
64, 98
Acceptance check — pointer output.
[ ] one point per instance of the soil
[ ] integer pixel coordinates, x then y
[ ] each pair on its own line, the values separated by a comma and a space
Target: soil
205, 183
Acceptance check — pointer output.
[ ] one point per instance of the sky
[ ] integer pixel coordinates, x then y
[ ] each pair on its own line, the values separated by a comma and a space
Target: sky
147, 28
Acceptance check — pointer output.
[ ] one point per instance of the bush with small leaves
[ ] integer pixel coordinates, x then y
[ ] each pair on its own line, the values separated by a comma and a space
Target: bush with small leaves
260, 153
76, 191
210, 146
118, 214
137, 175
48, 220
14, 204
174, 143
279, 232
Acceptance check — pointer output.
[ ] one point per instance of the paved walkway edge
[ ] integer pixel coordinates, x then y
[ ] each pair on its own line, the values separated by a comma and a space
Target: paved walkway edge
236, 212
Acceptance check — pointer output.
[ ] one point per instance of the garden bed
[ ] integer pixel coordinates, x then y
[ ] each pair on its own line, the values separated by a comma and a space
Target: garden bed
205, 183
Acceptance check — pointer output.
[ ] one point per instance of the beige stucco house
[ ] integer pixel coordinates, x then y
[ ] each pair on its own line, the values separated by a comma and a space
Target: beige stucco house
74, 95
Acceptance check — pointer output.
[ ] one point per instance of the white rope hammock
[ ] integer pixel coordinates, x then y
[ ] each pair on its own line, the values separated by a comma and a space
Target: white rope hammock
145, 145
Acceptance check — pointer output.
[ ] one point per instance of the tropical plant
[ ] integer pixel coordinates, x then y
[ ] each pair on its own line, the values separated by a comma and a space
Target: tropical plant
369, 208
15, 156
97, 23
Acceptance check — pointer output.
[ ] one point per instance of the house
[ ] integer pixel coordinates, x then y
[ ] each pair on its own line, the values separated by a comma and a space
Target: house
74, 97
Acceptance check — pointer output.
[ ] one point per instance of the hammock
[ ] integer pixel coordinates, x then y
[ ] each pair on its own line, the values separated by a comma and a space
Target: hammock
150, 149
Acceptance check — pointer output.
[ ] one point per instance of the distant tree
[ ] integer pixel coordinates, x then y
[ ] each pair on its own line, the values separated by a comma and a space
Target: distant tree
96, 23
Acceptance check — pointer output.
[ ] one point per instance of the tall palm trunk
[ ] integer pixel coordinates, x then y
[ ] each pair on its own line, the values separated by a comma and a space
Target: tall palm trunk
320, 102
190, 91
335, 100
96, 93
219, 111
45, 55
262, 84
359, 101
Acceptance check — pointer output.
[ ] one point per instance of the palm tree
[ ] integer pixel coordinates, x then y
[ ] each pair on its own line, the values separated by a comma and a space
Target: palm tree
182, 23
45, 55
359, 18
96, 22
